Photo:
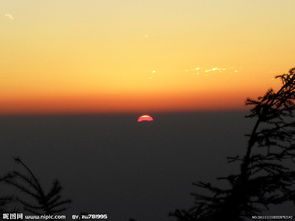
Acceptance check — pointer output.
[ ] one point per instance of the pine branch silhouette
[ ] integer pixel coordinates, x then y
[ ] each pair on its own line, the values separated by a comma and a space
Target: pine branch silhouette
40, 203
5, 200
265, 177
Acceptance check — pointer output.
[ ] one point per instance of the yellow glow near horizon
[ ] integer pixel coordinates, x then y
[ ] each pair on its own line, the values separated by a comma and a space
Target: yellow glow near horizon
159, 55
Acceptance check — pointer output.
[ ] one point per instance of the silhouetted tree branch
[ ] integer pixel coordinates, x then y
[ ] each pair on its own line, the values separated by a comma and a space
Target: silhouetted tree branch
40, 202
265, 177
5, 200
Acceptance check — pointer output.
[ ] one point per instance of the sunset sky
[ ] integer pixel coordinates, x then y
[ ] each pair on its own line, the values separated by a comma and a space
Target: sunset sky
102, 56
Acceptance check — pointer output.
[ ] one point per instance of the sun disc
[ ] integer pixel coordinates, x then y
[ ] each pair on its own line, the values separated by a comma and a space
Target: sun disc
145, 118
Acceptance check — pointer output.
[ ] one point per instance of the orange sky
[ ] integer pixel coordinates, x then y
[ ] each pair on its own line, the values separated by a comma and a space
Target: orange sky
75, 56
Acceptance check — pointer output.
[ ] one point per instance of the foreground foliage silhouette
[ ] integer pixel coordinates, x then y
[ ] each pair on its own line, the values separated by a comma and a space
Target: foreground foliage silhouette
4, 200
39, 202
265, 177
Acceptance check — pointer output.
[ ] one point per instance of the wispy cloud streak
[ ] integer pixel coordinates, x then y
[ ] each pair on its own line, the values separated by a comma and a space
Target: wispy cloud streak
9, 16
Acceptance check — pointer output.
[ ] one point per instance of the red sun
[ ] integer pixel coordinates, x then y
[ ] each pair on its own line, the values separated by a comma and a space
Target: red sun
145, 118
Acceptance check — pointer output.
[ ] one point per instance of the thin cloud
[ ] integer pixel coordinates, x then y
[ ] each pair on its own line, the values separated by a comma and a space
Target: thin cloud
9, 16
205, 71
215, 69
152, 74
196, 69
